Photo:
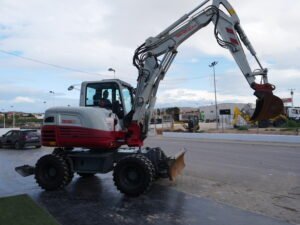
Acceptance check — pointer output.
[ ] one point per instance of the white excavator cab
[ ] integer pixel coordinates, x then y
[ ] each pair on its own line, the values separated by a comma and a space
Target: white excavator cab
111, 94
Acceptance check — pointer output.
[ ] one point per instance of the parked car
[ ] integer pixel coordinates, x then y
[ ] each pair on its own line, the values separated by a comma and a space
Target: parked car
19, 139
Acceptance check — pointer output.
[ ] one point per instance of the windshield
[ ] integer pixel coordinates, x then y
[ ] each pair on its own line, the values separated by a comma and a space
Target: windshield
95, 92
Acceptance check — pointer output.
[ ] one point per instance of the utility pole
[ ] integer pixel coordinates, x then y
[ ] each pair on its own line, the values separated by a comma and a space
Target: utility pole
3, 118
14, 123
292, 95
213, 64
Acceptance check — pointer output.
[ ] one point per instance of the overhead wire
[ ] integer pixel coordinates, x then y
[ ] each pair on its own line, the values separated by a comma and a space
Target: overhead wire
50, 64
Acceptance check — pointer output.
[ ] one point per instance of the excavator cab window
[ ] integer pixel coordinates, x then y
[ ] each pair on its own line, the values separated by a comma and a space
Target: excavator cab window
110, 95
104, 95
127, 97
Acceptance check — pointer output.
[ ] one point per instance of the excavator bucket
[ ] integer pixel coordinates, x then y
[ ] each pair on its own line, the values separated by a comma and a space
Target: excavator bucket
176, 165
267, 106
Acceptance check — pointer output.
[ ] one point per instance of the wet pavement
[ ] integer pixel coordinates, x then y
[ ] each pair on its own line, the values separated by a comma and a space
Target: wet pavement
96, 201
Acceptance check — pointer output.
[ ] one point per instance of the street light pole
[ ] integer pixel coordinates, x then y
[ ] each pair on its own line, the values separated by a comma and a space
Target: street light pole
113, 70
73, 87
213, 64
292, 95
52, 92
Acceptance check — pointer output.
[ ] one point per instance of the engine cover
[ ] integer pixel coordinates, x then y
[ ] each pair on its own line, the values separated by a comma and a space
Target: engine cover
86, 127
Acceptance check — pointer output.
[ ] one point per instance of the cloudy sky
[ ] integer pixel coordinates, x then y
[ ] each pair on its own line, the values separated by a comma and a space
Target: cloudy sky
93, 35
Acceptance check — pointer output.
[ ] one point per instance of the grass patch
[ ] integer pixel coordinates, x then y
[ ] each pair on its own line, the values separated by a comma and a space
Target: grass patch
22, 210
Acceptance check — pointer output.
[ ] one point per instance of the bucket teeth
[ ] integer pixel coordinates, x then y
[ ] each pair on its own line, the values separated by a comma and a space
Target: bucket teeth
176, 165
267, 106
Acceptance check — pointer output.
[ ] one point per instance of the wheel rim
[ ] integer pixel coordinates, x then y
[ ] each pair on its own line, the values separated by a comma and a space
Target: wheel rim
49, 172
132, 176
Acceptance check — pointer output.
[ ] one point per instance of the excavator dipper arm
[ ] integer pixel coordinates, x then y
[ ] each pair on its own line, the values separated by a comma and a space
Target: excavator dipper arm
154, 57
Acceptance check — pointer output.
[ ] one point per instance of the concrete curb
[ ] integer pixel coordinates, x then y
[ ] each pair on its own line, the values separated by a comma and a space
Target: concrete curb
236, 137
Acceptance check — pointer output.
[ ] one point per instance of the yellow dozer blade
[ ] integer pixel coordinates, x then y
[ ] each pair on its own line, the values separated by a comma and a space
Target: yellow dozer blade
176, 165
267, 106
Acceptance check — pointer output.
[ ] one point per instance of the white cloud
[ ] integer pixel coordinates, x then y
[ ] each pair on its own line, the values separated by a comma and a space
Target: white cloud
22, 99
181, 95
97, 34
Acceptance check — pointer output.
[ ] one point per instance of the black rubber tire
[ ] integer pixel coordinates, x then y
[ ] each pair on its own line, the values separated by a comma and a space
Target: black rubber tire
86, 175
62, 153
38, 146
18, 145
51, 172
133, 175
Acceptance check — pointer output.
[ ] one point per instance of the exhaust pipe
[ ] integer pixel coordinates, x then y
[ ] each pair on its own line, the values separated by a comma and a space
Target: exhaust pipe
267, 105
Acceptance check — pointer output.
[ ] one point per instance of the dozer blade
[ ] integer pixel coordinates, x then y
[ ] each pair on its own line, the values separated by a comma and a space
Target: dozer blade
25, 170
267, 106
176, 165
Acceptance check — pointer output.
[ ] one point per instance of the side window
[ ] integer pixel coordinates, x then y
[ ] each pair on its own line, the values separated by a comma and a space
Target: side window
8, 134
14, 134
49, 119
90, 93
127, 100
118, 97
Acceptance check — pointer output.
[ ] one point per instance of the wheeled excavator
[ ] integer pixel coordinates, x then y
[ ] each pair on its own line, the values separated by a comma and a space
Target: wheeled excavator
91, 138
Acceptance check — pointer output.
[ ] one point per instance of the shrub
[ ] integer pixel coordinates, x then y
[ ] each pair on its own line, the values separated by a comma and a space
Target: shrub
242, 128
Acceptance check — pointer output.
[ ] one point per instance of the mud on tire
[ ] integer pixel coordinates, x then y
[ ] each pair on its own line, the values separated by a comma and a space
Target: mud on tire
51, 172
133, 175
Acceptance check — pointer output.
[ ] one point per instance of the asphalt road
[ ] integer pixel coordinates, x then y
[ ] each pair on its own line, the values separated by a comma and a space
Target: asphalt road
260, 177
223, 183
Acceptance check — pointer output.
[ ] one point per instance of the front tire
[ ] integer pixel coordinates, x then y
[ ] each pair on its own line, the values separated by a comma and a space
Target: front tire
133, 175
62, 153
51, 172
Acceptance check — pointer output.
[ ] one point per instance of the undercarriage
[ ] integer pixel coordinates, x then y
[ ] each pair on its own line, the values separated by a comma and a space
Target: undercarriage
134, 169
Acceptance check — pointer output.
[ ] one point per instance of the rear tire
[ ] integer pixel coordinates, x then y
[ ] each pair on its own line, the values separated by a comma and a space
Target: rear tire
133, 175
38, 146
51, 172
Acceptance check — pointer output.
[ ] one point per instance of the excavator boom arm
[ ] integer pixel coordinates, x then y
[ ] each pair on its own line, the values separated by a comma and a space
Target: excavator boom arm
154, 57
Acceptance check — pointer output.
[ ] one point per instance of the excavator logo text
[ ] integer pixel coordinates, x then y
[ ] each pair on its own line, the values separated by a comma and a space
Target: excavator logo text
184, 31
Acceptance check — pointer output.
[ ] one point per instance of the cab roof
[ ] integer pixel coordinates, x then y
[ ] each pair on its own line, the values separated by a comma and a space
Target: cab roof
121, 82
